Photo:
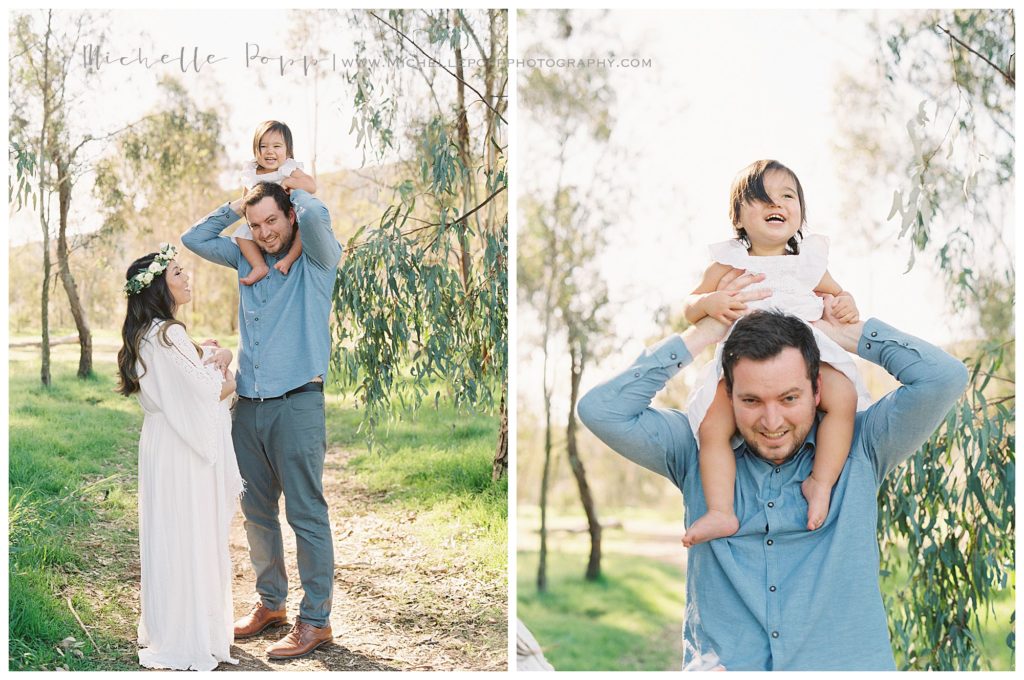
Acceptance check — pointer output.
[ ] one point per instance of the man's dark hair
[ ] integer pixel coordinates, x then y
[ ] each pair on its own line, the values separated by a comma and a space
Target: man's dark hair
763, 335
262, 190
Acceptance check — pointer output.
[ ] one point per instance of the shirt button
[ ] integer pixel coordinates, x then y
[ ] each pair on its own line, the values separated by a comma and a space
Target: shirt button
679, 365
773, 589
257, 342
771, 542
775, 633
635, 375
257, 318
868, 345
771, 505
874, 334
257, 365
673, 356
778, 470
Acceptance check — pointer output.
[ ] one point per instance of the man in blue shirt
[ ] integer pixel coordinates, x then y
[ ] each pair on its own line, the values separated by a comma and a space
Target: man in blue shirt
775, 596
279, 427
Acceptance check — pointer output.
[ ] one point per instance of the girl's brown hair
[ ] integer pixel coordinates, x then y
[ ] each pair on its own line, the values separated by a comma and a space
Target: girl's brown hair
748, 187
272, 126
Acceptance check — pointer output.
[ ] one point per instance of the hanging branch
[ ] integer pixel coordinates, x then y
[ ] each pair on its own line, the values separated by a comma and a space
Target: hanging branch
411, 42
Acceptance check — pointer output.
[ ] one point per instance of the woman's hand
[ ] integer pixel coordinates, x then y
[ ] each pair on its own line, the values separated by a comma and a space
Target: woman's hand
221, 359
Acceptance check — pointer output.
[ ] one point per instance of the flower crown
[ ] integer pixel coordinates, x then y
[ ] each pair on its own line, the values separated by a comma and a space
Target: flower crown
142, 280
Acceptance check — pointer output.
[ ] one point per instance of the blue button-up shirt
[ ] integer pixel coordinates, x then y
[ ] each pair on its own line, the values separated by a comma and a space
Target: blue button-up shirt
284, 320
776, 596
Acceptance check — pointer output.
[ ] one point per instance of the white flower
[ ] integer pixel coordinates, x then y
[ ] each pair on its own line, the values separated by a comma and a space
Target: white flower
147, 278
156, 267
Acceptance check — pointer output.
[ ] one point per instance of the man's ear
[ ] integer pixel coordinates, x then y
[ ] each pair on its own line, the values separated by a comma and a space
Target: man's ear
291, 217
817, 392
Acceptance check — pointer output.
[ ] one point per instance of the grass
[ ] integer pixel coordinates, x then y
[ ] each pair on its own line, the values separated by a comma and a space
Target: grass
628, 620
437, 463
632, 618
71, 518
72, 504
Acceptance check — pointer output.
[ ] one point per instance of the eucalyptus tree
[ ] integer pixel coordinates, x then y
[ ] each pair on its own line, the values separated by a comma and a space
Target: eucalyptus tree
940, 137
566, 117
421, 297
45, 146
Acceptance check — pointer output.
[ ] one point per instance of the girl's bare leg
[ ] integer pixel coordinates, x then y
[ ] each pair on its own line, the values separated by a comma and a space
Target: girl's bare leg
288, 260
835, 434
717, 472
254, 256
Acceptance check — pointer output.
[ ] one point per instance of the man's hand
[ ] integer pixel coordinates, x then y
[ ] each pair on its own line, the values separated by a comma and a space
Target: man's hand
710, 330
723, 306
846, 335
236, 206
845, 308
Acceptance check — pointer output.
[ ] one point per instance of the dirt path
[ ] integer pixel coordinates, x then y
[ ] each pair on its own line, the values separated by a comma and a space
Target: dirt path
396, 606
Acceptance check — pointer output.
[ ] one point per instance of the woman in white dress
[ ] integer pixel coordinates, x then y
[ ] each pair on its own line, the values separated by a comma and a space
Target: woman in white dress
188, 477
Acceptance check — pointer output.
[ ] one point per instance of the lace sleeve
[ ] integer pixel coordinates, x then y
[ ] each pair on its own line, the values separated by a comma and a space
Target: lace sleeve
729, 252
287, 168
814, 252
186, 390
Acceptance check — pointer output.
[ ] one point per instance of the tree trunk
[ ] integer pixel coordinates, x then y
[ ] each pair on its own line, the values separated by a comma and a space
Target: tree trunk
542, 561
500, 467
462, 143
577, 353
44, 317
77, 311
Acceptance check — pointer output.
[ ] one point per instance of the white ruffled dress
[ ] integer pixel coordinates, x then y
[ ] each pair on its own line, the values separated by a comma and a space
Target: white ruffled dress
188, 492
792, 279
250, 178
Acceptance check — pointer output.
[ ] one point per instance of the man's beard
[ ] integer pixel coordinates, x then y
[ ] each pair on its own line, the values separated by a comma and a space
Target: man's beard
286, 246
798, 442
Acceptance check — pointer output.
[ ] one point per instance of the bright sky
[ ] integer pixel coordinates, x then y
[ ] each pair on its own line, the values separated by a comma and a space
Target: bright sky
725, 89
245, 95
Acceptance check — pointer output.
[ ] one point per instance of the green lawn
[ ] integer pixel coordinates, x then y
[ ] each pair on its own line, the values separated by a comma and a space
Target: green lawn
632, 618
72, 504
629, 620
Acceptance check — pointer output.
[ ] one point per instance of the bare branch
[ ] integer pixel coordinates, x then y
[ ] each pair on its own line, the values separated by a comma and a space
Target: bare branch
1005, 74
411, 42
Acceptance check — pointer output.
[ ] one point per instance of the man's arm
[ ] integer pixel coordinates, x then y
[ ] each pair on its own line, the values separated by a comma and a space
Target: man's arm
619, 411
318, 241
204, 237
898, 424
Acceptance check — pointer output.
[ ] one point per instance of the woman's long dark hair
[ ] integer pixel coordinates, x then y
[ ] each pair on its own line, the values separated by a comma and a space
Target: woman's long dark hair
154, 302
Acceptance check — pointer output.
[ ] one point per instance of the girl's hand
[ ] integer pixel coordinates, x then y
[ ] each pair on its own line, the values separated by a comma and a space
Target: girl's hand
845, 309
209, 342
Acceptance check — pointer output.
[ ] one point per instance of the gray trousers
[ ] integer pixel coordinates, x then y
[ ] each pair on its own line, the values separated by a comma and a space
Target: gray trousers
280, 445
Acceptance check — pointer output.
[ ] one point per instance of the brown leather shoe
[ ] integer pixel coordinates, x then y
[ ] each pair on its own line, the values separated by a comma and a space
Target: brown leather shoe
258, 620
302, 640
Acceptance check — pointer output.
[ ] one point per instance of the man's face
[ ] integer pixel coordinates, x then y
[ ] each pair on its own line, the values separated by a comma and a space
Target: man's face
271, 229
774, 404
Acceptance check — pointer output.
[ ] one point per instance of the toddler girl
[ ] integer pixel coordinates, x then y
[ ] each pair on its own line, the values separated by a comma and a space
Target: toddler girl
768, 215
273, 161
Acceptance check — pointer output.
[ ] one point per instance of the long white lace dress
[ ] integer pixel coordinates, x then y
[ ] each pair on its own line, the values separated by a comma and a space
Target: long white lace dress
792, 279
188, 491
